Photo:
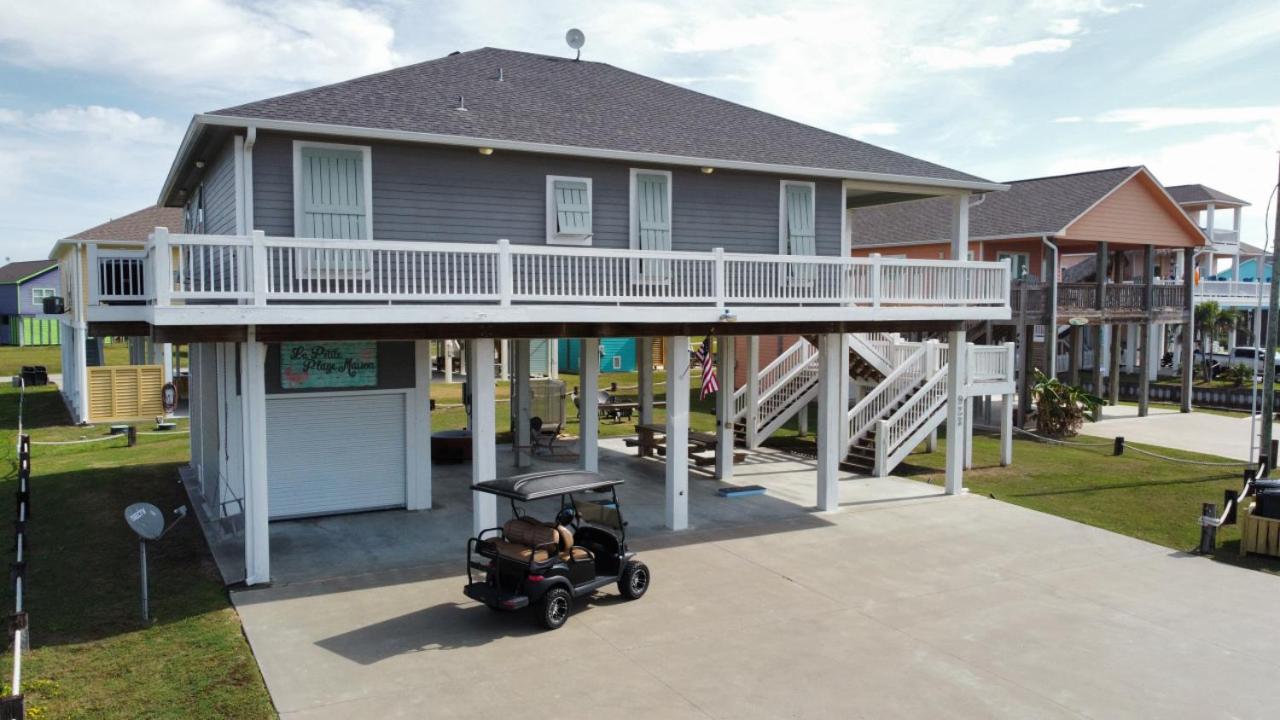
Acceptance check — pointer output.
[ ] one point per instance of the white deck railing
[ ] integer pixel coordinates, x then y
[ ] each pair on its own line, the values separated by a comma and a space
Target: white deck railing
257, 270
1238, 292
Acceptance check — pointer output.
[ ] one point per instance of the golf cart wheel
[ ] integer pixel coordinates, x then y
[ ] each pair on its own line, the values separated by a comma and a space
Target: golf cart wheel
634, 581
555, 608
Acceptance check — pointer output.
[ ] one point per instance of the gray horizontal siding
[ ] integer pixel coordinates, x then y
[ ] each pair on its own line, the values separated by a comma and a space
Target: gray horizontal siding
220, 193
441, 194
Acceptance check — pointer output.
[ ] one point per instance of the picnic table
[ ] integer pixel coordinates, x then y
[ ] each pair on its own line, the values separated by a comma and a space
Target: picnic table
651, 438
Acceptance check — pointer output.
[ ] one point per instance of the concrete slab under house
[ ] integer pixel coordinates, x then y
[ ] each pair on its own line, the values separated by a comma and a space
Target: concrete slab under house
322, 252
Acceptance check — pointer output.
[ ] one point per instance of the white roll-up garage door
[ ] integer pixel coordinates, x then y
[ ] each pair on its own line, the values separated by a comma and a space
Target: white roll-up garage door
335, 453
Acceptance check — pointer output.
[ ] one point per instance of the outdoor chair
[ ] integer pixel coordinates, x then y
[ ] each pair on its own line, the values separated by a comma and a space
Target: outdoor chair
543, 436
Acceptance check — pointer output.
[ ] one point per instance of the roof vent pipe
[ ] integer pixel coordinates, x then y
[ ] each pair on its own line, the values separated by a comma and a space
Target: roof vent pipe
462, 103
500, 76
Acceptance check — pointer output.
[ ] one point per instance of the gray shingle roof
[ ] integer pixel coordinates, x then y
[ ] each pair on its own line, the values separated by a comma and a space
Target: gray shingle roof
1038, 206
137, 225
15, 271
558, 101
1187, 194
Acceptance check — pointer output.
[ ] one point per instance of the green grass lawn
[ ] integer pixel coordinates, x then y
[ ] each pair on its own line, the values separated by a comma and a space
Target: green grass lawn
1136, 495
91, 655
12, 358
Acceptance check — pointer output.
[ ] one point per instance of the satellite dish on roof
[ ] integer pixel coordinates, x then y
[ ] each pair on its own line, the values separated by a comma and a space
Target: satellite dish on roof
576, 40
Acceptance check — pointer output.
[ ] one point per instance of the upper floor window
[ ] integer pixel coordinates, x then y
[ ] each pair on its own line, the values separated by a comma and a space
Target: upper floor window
193, 213
796, 219
568, 210
651, 221
332, 200
39, 294
1019, 263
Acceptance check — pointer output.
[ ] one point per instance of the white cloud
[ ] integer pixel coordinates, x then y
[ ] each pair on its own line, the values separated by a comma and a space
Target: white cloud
954, 57
1068, 119
1064, 26
1223, 35
872, 128
1156, 118
204, 45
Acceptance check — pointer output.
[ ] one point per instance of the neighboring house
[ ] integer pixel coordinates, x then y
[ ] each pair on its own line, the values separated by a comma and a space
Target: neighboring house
1120, 220
494, 195
23, 287
108, 396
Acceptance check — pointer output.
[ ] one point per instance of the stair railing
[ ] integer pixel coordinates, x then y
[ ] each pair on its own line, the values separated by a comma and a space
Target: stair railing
893, 431
778, 371
877, 403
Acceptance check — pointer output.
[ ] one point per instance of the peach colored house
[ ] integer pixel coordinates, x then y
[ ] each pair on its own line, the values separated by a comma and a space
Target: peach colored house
1057, 232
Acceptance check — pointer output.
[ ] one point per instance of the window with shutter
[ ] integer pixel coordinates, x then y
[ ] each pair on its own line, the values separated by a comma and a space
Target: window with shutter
568, 211
331, 201
651, 221
797, 235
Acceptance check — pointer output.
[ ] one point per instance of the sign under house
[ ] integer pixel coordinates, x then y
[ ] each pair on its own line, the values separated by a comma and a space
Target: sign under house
344, 364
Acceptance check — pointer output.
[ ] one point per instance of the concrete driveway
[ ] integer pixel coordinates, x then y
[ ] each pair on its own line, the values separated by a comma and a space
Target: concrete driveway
1210, 433
904, 604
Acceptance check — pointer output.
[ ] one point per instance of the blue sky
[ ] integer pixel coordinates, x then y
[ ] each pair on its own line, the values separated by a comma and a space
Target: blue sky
95, 96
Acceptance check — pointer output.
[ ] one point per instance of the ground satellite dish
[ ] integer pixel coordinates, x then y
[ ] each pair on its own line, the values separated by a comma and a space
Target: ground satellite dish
145, 519
576, 39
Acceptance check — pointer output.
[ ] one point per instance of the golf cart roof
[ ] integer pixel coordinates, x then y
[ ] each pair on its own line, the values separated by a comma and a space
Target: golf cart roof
545, 484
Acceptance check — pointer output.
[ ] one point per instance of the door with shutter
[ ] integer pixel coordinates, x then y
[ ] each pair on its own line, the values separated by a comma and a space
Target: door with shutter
798, 233
335, 453
651, 222
332, 205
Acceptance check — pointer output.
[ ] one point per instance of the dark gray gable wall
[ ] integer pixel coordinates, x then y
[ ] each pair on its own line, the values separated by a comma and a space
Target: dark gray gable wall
220, 192
443, 194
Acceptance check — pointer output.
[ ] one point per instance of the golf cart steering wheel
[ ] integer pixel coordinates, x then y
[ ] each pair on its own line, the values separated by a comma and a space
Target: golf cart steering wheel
565, 516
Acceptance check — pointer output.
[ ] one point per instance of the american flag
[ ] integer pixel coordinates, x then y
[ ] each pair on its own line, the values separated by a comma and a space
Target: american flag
706, 358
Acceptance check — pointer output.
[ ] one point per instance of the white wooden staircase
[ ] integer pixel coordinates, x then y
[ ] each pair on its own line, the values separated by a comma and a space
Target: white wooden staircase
908, 402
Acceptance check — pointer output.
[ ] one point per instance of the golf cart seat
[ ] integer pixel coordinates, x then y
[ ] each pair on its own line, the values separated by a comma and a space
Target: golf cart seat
525, 537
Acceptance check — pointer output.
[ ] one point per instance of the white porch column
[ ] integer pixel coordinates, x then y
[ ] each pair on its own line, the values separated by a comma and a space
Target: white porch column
1006, 431
505, 351
829, 416
644, 366
1155, 349
589, 425
845, 382
724, 409
484, 461
418, 490
522, 398
960, 227
553, 358
753, 391
677, 495
448, 360
82, 372
195, 409
257, 538
955, 411
162, 355
968, 432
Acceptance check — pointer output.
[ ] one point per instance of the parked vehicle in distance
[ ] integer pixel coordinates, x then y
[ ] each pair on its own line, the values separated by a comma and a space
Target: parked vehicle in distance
529, 563
1249, 356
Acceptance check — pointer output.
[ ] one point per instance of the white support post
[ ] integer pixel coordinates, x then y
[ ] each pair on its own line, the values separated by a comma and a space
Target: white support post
829, 417
484, 451
644, 366
553, 358
418, 490
504, 350
589, 425
195, 410
802, 421
522, 397
955, 411
163, 356
448, 361
1006, 431
724, 409
505, 277
960, 227
968, 433
253, 407
161, 267
845, 382
259, 267
677, 485
718, 278
752, 420
873, 277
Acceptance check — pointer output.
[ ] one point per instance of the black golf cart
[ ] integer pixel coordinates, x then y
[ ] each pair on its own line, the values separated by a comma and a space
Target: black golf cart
528, 562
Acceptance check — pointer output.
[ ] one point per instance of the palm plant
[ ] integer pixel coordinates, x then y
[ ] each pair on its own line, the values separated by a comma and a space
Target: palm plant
1061, 408
1211, 321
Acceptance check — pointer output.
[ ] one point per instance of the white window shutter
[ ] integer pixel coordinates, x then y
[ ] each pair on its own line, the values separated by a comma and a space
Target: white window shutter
573, 207
333, 201
801, 239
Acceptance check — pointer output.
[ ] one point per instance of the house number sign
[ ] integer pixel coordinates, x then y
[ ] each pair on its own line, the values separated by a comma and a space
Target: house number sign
310, 365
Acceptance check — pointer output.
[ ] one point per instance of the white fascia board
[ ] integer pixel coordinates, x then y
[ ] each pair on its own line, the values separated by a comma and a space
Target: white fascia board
188, 139
196, 315
571, 150
944, 241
